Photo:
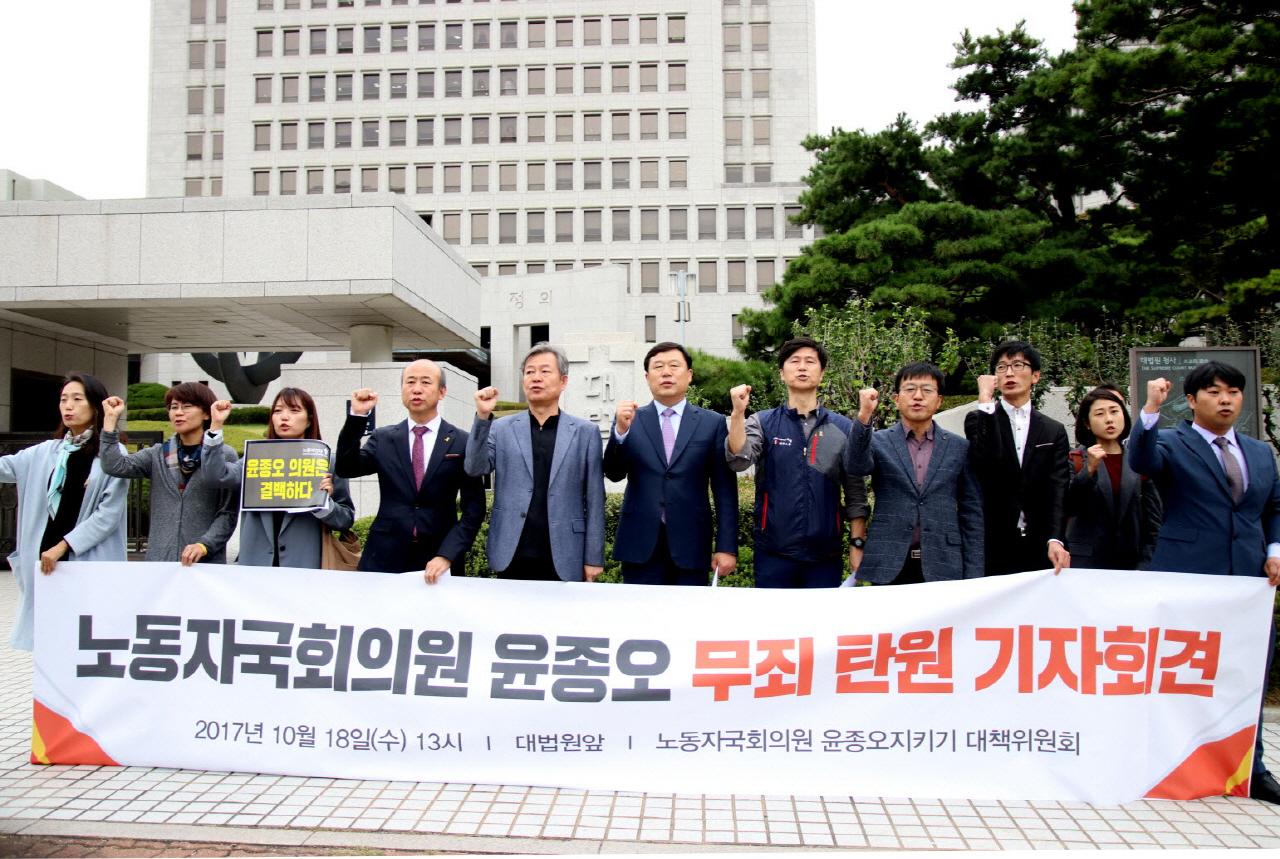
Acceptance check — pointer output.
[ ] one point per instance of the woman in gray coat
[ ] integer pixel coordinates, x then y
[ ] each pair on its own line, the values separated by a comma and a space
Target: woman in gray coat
68, 508
292, 539
195, 478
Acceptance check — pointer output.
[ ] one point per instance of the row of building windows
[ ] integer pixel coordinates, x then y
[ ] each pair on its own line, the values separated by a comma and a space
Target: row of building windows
564, 32
269, 5
480, 83
709, 276
198, 54
422, 131
563, 176
200, 11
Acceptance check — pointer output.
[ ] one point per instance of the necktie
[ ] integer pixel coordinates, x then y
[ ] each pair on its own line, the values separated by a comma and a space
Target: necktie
419, 459
668, 433
1231, 465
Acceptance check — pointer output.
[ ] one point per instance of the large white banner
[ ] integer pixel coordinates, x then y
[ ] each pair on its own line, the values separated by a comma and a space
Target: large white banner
1096, 686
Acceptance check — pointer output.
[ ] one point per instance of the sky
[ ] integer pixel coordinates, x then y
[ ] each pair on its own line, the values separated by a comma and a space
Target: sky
73, 76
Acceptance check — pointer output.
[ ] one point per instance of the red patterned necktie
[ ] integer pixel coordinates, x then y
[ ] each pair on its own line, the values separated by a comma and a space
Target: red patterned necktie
419, 457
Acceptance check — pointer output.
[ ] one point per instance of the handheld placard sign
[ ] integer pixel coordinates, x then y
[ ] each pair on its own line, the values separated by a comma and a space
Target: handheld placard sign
283, 474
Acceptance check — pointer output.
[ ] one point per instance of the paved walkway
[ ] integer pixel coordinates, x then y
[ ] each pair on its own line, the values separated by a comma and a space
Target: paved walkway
313, 813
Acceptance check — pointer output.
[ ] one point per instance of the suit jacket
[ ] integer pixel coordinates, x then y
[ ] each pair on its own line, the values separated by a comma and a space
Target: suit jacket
1204, 531
1037, 487
678, 487
300, 533
948, 506
575, 492
1109, 534
432, 510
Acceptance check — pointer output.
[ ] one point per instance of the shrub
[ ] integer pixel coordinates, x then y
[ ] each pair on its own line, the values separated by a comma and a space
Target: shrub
145, 395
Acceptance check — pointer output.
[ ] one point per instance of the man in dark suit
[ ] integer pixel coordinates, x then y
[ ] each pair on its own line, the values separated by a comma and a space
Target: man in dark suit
1021, 459
1221, 495
927, 522
420, 468
670, 452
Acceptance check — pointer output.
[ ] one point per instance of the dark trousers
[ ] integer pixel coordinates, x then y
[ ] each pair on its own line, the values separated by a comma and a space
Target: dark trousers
530, 570
1014, 553
660, 569
1258, 766
912, 571
420, 552
775, 571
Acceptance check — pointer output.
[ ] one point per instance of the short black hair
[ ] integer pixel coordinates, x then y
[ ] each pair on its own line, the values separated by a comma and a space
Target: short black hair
1014, 348
1114, 388
792, 346
918, 370
1084, 432
668, 346
1210, 372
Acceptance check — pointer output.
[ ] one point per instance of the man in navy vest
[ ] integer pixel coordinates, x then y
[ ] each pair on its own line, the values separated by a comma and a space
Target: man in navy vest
798, 452
670, 453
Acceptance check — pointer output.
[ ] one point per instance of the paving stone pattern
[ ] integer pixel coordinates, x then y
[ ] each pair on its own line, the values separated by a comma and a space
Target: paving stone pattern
166, 804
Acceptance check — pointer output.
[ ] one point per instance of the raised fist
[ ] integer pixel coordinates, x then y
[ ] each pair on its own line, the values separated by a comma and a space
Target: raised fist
739, 397
363, 401
1157, 393
868, 400
486, 401
623, 417
218, 414
112, 409
986, 389
1096, 455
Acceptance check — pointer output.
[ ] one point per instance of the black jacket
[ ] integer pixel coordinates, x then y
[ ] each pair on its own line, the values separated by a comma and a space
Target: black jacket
1037, 487
433, 510
1109, 534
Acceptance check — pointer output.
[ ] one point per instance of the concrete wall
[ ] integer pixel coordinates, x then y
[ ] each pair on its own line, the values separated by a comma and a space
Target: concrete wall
23, 347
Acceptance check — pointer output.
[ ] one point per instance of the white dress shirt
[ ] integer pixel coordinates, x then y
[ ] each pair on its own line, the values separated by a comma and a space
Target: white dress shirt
1020, 422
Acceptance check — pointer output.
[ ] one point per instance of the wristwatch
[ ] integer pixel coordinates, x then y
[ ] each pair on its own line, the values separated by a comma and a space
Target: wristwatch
858, 542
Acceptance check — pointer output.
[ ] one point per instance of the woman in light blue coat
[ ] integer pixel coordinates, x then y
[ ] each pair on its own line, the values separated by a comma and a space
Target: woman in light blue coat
68, 507
278, 539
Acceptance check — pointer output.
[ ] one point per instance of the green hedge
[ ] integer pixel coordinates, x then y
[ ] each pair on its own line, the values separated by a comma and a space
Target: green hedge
240, 415
146, 395
743, 576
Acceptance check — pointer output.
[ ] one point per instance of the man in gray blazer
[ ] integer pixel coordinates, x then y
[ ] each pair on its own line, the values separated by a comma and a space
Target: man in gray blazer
926, 525
547, 521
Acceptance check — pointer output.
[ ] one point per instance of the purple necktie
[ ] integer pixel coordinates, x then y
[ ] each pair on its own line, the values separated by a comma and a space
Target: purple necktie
668, 440
419, 457
1231, 465
668, 433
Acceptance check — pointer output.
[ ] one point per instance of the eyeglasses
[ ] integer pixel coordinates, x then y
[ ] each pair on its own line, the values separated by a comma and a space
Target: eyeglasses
1013, 366
911, 390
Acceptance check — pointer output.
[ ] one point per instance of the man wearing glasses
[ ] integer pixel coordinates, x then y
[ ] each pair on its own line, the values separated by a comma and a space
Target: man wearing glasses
1021, 459
927, 522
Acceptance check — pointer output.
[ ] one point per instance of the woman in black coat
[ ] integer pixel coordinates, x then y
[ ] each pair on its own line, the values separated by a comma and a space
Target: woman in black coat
1114, 513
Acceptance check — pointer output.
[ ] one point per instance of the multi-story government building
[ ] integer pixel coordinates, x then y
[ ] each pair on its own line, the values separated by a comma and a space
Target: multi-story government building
535, 135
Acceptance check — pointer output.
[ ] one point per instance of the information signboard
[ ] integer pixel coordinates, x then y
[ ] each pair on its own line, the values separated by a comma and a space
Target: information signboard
1174, 363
